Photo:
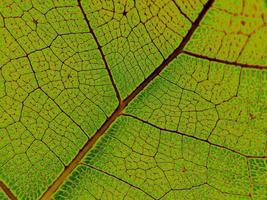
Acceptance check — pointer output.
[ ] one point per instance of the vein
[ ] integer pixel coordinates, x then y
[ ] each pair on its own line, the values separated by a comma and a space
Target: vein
180, 10
251, 183
39, 87
117, 178
123, 104
173, 55
181, 189
233, 63
66, 114
7, 191
193, 137
101, 51
80, 155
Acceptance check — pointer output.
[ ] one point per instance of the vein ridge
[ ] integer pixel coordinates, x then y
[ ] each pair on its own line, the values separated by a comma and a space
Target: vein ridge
7, 191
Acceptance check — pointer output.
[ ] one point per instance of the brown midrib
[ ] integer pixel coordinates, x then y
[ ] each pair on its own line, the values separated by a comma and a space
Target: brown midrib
7, 191
90, 143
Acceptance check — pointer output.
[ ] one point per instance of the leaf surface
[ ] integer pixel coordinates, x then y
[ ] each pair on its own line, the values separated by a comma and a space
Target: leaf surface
133, 99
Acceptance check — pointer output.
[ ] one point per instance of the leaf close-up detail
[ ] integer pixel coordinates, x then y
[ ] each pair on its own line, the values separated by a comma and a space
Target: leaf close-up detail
138, 99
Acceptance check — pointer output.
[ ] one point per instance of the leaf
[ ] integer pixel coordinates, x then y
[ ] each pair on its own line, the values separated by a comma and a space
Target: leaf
133, 99
3, 195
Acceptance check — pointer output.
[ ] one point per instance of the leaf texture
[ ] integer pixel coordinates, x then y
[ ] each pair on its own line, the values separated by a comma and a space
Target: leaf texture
133, 99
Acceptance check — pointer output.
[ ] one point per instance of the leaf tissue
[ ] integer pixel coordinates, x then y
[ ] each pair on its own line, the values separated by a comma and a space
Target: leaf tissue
137, 99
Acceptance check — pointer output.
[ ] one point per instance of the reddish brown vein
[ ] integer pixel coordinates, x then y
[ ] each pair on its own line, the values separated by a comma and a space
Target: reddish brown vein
100, 50
119, 179
236, 64
64, 112
90, 143
193, 137
181, 11
7, 191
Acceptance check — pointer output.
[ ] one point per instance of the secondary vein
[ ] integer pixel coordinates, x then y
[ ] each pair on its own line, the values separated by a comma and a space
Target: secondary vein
101, 51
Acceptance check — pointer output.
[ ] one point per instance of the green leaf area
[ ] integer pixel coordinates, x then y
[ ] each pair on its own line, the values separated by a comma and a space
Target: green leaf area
137, 99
